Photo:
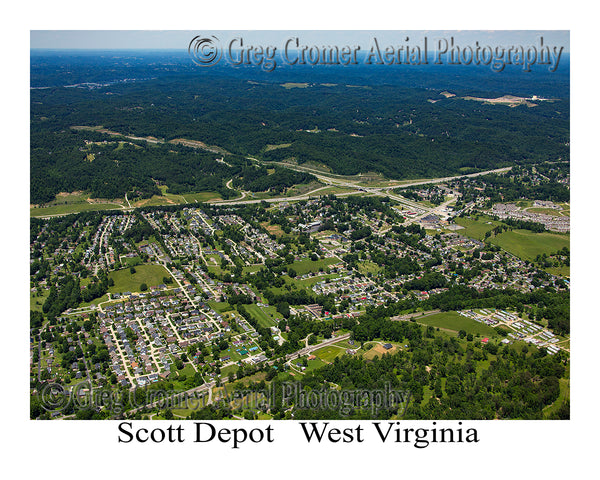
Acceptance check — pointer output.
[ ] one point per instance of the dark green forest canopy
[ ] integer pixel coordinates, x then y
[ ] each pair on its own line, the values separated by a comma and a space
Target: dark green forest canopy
392, 130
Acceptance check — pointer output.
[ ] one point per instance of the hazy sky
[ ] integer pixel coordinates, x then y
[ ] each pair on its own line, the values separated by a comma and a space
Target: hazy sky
179, 39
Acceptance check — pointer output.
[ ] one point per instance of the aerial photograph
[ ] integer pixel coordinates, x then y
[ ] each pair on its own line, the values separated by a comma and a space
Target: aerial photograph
299, 225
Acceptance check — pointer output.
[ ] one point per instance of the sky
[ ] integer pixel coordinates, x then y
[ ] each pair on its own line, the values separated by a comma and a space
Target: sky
179, 39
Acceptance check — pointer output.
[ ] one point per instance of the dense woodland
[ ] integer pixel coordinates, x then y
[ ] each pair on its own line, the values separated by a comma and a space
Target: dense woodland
389, 129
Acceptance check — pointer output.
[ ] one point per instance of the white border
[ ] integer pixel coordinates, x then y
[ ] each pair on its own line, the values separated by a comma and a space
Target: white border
543, 449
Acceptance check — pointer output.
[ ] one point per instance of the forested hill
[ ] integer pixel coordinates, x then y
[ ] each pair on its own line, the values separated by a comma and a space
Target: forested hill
396, 130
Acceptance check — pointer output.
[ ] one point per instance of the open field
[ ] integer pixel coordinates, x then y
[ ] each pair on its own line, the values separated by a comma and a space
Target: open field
270, 147
266, 316
155, 201
527, 245
368, 267
548, 211
131, 261
201, 197
304, 266
251, 268
336, 190
510, 100
65, 209
476, 228
327, 354
289, 85
220, 307
562, 397
35, 303
303, 189
378, 351
563, 271
455, 321
309, 282
272, 229
125, 281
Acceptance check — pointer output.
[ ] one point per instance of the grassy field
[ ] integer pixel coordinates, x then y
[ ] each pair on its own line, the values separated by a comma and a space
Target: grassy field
562, 397
289, 85
65, 203
378, 351
65, 209
334, 190
455, 321
270, 147
35, 303
272, 229
559, 271
303, 189
368, 267
125, 281
220, 307
266, 316
327, 354
309, 282
156, 201
131, 261
201, 197
546, 211
527, 245
304, 266
475, 228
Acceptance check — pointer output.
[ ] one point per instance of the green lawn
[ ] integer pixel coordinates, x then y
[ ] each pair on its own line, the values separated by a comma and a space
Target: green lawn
220, 307
527, 245
563, 271
455, 321
251, 268
36, 303
327, 354
131, 261
304, 266
314, 364
475, 228
125, 281
264, 315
